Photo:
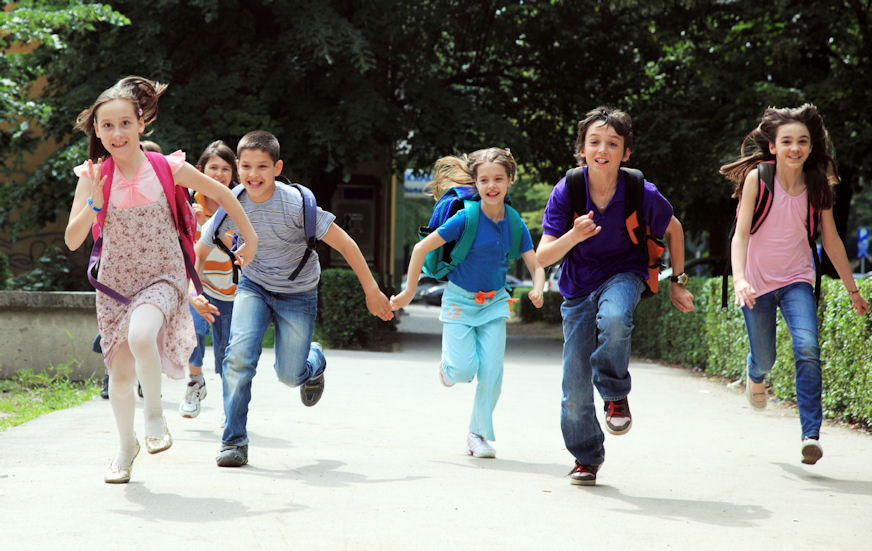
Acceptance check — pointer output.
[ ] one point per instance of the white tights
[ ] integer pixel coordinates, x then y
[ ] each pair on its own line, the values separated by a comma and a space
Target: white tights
137, 358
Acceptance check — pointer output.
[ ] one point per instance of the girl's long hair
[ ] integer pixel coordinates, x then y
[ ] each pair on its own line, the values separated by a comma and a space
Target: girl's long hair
141, 92
819, 168
450, 172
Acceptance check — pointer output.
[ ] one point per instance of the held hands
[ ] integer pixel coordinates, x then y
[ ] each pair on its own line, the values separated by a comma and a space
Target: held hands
584, 227
202, 306
536, 297
744, 293
858, 303
401, 300
681, 297
96, 183
379, 305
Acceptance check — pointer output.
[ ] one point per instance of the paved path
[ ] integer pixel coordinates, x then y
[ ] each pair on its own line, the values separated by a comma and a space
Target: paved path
380, 464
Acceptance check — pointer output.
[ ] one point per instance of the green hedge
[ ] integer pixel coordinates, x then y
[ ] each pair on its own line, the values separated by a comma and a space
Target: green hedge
714, 339
549, 313
343, 320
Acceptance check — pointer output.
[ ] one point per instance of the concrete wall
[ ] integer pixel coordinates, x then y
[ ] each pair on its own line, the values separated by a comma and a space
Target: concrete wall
38, 330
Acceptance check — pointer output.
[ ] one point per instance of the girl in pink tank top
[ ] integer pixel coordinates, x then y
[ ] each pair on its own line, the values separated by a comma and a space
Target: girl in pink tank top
772, 268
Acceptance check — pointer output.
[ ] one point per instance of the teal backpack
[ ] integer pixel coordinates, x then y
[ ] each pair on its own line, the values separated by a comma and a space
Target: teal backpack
440, 261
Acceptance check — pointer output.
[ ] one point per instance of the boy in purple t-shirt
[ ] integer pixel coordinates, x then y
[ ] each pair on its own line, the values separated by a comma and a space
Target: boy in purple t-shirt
602, 279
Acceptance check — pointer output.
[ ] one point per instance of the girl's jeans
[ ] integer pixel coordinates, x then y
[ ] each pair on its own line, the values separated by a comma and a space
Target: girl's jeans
596, 352
800, 313
297, 360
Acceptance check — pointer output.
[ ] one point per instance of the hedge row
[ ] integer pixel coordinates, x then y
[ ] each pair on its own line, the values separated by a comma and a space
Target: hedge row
715, 340
549, 313
343, 320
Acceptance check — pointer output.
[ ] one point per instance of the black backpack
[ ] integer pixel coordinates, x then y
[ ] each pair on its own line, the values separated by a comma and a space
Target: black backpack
640, 233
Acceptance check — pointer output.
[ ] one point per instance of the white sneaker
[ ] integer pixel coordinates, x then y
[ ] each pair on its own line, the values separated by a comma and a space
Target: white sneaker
190, 406
443, 377
477, 446
811, 451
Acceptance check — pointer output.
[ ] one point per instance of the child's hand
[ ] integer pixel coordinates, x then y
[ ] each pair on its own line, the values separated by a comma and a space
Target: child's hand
536, 297
681, 297
96, 183
744, 293
859, 304
401, 300
198, 211
379, 306
584, 227
202, 306
245, 254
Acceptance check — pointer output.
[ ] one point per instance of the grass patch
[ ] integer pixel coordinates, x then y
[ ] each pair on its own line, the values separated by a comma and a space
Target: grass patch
30, 394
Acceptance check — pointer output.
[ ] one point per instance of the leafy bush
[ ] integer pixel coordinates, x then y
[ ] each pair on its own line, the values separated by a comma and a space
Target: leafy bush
549, 313
54, 272
4, 271
343, 320
715, 339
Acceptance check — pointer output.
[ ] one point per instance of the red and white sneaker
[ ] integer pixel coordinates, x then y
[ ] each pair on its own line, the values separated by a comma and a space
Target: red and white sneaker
618, 418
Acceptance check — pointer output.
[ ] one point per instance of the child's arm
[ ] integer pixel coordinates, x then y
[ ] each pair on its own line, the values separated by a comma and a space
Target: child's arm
551, 249
836, 251
376, 302
190, 177
82, 216
681, 297
200, 302
538, 273
743, 291
419, 253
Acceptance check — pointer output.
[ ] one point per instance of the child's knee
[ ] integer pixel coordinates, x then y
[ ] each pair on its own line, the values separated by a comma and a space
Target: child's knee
615, 325
461, 370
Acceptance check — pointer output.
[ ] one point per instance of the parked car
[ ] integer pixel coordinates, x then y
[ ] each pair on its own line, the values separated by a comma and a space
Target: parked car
707, 266
424, 284
433, 295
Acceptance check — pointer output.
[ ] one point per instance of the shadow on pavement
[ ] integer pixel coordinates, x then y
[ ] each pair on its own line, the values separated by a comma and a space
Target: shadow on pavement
166, 507
825, 483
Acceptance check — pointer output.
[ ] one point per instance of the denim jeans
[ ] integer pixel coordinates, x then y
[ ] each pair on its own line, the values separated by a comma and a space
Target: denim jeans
596, 352
800, 313
221, 330
297, 360
201, 328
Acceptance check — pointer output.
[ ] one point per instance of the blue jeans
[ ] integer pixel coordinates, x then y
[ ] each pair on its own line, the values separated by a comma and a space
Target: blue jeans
297, 360
221, 330
596, 352
800, 313
201, 328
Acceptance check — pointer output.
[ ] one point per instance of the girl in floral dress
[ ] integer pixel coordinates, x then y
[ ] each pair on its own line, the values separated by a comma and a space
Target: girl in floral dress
141, 259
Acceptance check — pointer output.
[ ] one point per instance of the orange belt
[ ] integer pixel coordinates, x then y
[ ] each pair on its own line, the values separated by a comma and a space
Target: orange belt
481, 296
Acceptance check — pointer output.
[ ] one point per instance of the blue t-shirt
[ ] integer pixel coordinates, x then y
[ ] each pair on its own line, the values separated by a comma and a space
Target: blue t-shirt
486, 264
590, 263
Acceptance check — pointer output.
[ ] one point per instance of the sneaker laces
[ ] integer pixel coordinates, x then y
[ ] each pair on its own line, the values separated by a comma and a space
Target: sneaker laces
616, 409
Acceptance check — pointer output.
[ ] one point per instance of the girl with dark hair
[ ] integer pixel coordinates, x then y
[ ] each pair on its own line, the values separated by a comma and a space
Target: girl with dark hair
219, 163
602, 278
773, 267
141, 259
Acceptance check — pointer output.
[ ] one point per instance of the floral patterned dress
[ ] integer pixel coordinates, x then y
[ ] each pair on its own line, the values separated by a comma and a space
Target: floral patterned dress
143, 261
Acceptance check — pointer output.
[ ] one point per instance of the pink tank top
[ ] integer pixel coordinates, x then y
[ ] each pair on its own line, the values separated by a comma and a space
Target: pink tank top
779, 253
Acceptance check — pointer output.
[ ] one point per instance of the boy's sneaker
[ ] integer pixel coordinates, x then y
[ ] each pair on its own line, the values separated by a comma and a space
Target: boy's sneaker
756, 399
583, 475
232, 456
811, 451
190, 406
104, 392
618, 418
443, 377
311, 391
477, 446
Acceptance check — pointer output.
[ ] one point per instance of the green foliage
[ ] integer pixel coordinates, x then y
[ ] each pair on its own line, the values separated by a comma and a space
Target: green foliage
5, 274
549, 313
54, 272
715, 339
30, 394
343, 320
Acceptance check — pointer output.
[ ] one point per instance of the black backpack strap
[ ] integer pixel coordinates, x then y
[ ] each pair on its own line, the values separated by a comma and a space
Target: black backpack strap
577, 191
633, 189
219, 217
310, 213
766, 179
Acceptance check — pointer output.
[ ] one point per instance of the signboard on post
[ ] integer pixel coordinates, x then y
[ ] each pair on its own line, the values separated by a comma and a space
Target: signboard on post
862, 247
413, 184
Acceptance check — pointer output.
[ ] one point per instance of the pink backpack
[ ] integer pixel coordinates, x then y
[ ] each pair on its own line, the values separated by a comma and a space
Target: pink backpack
183, 215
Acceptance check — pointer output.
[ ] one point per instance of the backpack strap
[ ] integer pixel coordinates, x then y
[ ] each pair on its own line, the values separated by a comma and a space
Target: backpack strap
219, 217
310, 212
766, 181
516, 230
472, 210
107, 170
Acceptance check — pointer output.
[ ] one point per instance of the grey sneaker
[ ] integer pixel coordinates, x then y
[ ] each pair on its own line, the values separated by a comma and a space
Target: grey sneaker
443, 377
190, 406
756, 399
311, 391
618, 417
811, 451
583, 475
477, 446
232, 456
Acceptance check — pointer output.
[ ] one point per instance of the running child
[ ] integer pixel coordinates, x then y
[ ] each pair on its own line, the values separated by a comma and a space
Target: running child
266, 293
602, 279
141, 259
219, 163
773, 267
475, 304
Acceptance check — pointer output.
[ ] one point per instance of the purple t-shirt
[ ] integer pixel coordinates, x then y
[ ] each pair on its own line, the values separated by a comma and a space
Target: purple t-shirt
590, 263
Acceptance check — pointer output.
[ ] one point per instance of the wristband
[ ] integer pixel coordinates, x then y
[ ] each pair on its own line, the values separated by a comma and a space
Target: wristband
91, 204
854, 292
